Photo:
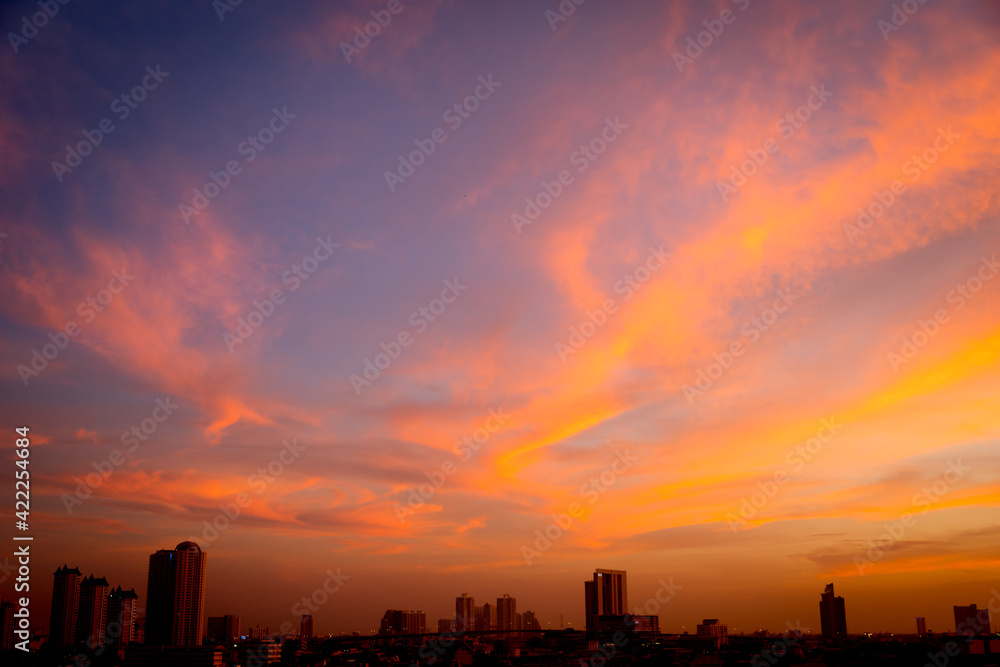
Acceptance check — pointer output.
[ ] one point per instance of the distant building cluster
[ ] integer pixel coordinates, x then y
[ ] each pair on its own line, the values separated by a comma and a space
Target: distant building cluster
89, 620
86, 611
502, 618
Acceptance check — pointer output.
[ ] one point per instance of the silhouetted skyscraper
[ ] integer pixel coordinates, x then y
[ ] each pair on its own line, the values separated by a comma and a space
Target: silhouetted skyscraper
121, 619
507, 613
590, 605
921, 626
175, 596
605, 595
93, 615
306, 626
488, 619
65, 604
465, 613
832, 615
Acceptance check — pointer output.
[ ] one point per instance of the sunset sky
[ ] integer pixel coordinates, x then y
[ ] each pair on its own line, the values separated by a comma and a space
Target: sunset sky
631, 272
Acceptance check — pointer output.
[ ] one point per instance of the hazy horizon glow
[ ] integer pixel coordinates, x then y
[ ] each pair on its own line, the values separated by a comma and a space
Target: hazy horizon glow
740, 388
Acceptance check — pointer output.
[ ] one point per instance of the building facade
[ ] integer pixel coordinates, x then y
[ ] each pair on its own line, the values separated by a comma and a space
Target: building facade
606, 594
65, 605
400, 622
122, 608
92, 618
710, 628
832, 615
175, 596
971, 620
507, 613
224, 628
465, 613
306, 626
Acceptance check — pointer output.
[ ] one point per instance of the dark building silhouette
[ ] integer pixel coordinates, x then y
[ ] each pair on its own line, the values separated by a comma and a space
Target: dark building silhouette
122, 607
529, 621
710, 628
92, 618
921, 626
399, 622
7, 626
605, 595
486, 617
306, 626
590, 605
65, 604
465, 613
507, 613
223, 628
969, 619
832, 617
175, 596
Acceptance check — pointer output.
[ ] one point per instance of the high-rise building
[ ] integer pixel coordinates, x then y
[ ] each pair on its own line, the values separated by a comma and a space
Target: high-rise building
399, 622
65, 603
121, 619
529, 622
590, 605
416, 621
970, 620
506, 613
92, 618
175, 596
223, 629
477, 623
611, 587
445, 625
465, 614
710, 628
921, 626
7, 626
488, 619
605, 595
832, 617
306, 626
258, 633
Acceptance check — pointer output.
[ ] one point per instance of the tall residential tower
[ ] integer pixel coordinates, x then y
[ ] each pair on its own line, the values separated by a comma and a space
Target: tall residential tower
175, 596
605, 595
832, 617
65, 604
